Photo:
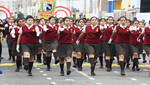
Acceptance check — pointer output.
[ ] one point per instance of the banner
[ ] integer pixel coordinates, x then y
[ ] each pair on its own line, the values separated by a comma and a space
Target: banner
47, 8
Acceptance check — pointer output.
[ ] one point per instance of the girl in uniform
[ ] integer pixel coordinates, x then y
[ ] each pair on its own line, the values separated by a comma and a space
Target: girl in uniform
146, 32
92, 43
14, 33
9, 41
65, 47
28, 37
102, 25
50, 41
142, 26
136, 46
79, 49
122, 42
106, 46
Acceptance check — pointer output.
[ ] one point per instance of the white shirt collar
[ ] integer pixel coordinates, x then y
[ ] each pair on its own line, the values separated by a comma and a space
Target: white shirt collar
80, 28
66, 27
110, 25
19, 27
123, 26
93, 26
75, 26
29, 26
41, 26
52, 26
135, 28
105, 26
11, 24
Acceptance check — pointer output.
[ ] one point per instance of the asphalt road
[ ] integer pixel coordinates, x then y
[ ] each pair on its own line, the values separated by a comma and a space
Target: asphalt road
43, 77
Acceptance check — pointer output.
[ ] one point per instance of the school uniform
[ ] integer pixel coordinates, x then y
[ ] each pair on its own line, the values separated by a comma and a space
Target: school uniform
122, 44
40, 27
9, 40
50, 38
122, 40
80, 46
92, 41
65, 41
29, 39
146, 31
15, 32
105, 38
136, 46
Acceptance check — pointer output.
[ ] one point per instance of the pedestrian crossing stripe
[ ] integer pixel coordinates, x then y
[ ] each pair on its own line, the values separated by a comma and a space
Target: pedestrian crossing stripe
85, 64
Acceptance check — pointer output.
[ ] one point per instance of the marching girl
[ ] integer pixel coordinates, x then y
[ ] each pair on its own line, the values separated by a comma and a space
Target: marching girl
87, 23
108, 47
129, 23
102, 25
65, 47
136, 46
28, 37
122, 42
50, 41
92, 43
9, 41
79, 49
41, 27
142, 25
14, 34
146, 32
74, 54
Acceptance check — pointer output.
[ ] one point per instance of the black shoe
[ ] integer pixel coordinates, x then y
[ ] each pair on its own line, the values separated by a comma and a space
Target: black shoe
62, 73
48, 69
133, 68
26, 67
17, 70
123, 73
68, 72
128, 66
137, 69
144, 61
57, 61
29, 74
74, 65
80, 69
93, 74
108, 69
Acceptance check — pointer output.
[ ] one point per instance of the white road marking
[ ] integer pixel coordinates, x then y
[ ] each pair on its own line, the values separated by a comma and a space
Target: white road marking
145, 70
44, 74
89, 77
53, 83
69, 80
38, 68
48, 78
98, 83
133, 79
115, 71
143, 84
34, 66
41, 71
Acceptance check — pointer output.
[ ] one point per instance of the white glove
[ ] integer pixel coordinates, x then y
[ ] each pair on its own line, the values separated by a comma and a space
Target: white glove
17, 48
77, 42
37, 34
138, 40
61, 29
143, 38
13, 36
110, 40
6, 25
40, 41
45, 28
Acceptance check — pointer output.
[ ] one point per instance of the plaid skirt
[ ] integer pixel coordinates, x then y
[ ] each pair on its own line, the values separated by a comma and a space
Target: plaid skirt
49, 45
92, 49
147, 49
78, 48
14, 51
9, 43
31, 48
64, 50
137, 49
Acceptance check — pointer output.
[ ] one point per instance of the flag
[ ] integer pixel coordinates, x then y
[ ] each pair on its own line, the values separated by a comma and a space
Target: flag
47, 8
